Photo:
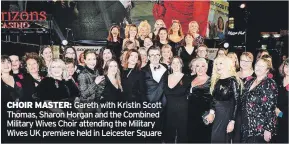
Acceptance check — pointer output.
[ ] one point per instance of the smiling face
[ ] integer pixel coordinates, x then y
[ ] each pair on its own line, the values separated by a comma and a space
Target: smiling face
107, 55
201, 68
133, 32
70, 69
245, 62
261, 68
70, 53
163, 35
47, 54
175, 27
112, 68
148, 42
115, 31
133, 58
286, 70
32, 66
166, 53
143, 55
176, 65
159, 24
202, 52
90, 60
15, 62
56, 69
5, 66
154, 56
222, 65
193, 28
189, 40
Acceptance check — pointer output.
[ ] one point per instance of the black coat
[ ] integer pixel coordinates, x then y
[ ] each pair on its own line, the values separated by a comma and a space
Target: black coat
154, 90
133, 85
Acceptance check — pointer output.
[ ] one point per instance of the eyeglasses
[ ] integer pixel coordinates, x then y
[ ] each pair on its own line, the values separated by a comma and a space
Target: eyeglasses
156, 55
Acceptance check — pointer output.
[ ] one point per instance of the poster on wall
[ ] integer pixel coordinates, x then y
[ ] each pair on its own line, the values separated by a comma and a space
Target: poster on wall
218, 20
81, 49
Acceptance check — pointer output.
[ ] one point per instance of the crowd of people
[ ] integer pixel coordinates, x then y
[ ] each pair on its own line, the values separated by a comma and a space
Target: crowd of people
228, 99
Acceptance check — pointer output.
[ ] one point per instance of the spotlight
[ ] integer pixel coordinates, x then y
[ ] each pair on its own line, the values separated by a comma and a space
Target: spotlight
265, 35
242, 6
226, 45
276, 35
64, 42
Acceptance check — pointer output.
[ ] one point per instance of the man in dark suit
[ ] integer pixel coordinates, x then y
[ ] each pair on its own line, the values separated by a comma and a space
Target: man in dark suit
156, 76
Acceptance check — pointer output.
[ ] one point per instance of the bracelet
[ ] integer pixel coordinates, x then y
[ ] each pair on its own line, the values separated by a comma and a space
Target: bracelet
232, 121
280, 114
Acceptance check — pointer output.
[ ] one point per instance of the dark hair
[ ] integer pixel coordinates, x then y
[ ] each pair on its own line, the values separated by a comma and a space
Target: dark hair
75, 54
79, 59
4, 58
127, 43
110, 37
154, 48
222, 23
158, 37
100, 61
138, 64
34, 56
88, 51
69, 61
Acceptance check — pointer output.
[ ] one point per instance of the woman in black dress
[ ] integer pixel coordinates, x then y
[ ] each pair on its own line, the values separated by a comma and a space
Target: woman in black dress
162, 38
32, 78
282, 105
113, 87
114, 41
144, 29
158, 24
11, 91
176, 36
258, 104
46, 54
199, 102
105, 54
131, 78
176, 93
167, 55
16, 67
187, 53
225, 89
71, 81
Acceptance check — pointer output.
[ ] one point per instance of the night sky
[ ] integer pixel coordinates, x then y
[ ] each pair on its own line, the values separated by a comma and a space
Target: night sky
267, 16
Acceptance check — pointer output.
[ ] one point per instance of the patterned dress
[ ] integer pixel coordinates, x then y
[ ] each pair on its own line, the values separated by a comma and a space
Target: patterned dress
258, 107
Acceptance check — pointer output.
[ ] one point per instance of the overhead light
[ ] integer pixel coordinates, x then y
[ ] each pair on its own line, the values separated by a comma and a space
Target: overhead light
242, 6
226, 45
64, 42
265, 35
276, 35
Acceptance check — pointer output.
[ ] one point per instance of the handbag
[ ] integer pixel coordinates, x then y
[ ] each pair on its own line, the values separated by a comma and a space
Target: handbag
204, 117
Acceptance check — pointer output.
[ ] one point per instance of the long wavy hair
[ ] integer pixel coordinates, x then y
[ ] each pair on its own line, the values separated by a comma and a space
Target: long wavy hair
110, 36
127, 56
117, 76
180, 32
232, 71
128, 28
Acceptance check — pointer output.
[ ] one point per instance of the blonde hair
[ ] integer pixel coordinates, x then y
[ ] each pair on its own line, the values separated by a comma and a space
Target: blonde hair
167, 46
193, 22
215, 76
144, 24
128, 28
268, 60
196, 60
231, 55
65, 74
